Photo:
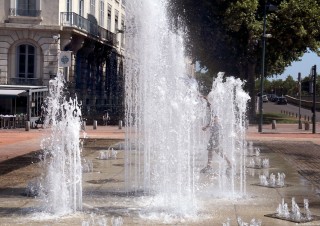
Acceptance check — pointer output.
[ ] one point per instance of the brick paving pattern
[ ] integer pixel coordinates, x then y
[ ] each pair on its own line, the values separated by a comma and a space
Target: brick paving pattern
303, 155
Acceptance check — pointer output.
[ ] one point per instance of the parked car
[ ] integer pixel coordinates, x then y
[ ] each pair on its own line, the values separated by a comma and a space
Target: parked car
282, 100
265, 98
273, 98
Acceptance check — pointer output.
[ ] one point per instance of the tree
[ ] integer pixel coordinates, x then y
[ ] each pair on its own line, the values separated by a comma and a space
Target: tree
290, 87
205, 82
225, 35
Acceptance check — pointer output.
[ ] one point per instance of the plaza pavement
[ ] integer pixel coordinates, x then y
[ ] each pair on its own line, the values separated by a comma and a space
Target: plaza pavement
290, 150
15, 142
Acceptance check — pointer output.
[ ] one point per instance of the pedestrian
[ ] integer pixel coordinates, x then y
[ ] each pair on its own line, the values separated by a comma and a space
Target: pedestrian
105, 118
214, 144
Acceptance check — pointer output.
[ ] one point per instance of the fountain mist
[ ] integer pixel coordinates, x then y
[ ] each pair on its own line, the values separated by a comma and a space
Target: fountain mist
63, 180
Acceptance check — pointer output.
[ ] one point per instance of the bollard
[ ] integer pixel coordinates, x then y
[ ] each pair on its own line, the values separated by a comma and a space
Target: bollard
27, 125
95, 124
274, 124
120, 124
306, 125
84, 125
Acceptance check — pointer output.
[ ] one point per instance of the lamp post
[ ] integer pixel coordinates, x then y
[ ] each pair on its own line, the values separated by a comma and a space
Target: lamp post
299, 83
314, 77
269, 8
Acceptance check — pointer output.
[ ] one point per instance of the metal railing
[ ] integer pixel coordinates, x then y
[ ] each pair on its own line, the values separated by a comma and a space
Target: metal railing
70, 19
24, 12
25, 81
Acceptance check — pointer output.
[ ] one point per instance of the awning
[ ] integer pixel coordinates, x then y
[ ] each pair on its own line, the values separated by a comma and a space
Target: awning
11, 92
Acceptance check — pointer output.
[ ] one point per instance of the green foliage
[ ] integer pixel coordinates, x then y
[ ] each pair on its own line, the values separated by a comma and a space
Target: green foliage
280, 118
288, 86
226, 35
205, 82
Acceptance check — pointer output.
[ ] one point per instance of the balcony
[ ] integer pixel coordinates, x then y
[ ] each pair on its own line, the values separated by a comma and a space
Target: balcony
25, 81
70, 19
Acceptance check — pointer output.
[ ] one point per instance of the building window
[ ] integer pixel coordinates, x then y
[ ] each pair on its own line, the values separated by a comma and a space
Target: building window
92, 7
26, 8
81, 9
122, 28
102, 13
69, 9
109, 17
116, 21
26, 61
69, 6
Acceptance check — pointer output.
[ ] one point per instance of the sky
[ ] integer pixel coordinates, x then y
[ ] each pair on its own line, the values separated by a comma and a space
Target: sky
307, 61
304, 66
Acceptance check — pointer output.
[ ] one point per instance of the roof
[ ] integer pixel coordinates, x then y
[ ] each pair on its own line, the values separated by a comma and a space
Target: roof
21, 87
16, 90
11, 92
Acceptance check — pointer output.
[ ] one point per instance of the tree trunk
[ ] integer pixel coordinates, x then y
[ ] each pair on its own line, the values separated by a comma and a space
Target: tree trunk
252, 92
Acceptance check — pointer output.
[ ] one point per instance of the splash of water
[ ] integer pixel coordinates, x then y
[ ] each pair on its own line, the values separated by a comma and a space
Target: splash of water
63, 179
295, 214
228, 103
162, 109
165, 115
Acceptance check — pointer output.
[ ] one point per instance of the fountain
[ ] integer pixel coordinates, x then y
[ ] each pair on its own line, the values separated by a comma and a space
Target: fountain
162, 110
258, 163
166, 147
251, 151
63, 180
272, 181
253, 222
108, 154
295, 215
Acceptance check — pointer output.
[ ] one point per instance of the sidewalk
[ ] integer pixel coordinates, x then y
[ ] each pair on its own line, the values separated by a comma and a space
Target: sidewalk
17, 142
283, 132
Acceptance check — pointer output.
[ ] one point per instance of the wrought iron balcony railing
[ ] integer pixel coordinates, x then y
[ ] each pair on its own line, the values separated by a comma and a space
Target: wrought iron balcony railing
24, 12
70, 19
25, 81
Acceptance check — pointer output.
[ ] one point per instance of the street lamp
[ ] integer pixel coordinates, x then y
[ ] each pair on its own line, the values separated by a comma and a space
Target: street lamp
299, 83
269, 8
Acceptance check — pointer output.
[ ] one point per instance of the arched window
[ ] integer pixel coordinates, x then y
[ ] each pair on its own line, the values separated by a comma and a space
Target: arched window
26, 61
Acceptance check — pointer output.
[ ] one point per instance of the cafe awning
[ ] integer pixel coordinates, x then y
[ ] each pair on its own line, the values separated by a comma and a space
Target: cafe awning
11, 92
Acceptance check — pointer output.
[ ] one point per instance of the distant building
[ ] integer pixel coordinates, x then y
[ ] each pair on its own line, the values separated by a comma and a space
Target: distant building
33, 33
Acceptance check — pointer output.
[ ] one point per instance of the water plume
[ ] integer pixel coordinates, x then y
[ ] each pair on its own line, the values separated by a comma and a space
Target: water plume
63, 178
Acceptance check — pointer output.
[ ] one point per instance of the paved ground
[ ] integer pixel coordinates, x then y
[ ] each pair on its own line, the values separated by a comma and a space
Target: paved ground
15, 142
290, 150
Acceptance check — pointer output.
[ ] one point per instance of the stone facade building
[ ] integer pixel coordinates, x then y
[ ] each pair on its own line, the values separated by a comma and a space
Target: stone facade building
33, 33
